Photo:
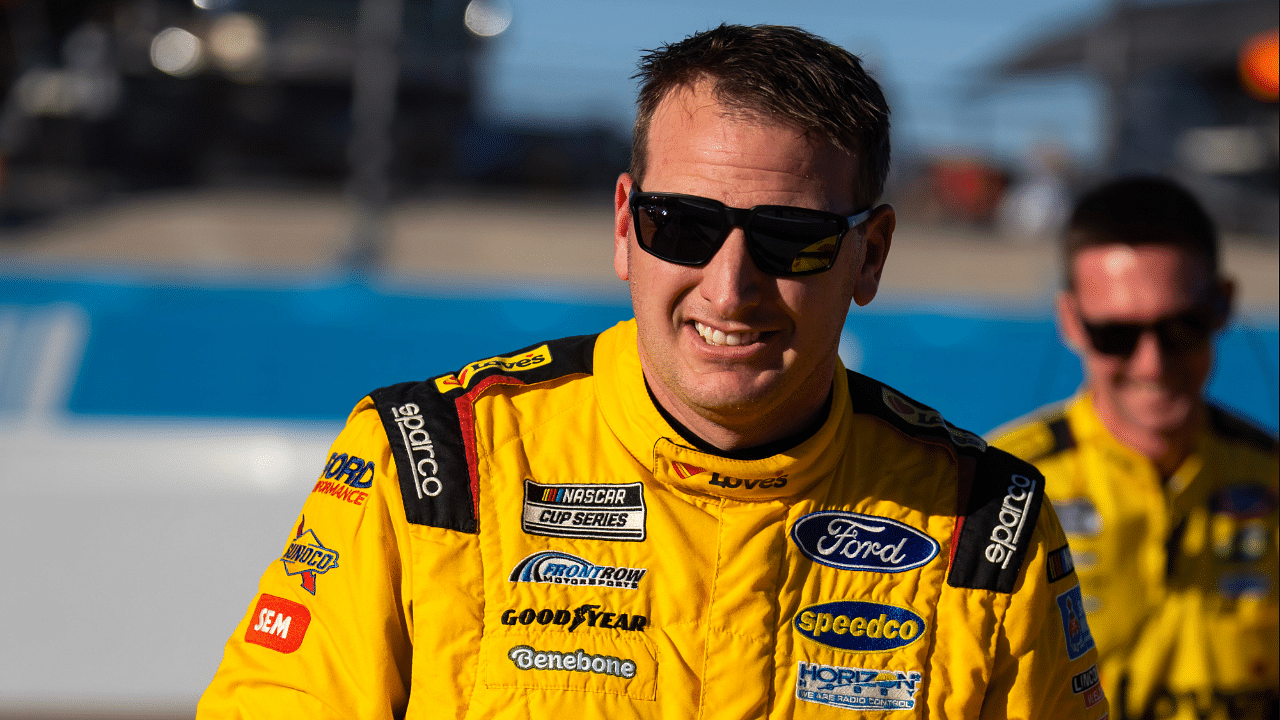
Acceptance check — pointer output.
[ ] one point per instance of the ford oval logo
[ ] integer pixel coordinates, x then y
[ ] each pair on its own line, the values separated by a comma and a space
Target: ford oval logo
859, 626
851, 541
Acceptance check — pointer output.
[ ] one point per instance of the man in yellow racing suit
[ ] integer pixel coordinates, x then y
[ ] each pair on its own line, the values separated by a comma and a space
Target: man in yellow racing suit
695, 514
1169, 501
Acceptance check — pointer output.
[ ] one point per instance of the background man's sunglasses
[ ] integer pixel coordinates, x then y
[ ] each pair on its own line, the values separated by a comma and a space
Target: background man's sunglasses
1177, 334
782, 240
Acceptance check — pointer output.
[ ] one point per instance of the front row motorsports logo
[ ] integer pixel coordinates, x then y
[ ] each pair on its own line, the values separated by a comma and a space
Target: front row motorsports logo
308, 557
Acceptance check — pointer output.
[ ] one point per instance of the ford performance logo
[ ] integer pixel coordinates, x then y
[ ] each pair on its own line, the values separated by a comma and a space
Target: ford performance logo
859, 626
850, 541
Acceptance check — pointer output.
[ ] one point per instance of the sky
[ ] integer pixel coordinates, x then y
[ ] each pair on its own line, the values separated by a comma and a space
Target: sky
565, 62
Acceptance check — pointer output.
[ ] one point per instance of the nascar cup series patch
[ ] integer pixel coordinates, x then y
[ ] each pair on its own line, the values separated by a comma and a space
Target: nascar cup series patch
852, 688
592, 511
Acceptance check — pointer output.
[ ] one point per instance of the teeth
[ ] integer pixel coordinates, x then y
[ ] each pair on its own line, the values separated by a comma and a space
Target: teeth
719, 337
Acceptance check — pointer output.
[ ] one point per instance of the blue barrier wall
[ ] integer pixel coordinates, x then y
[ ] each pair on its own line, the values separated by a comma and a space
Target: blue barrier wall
310, 352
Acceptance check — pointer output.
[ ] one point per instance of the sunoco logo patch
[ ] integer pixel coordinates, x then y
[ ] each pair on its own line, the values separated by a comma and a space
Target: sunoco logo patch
859, 626
851, 541
599, 512
558, 568
856, 688
308, 557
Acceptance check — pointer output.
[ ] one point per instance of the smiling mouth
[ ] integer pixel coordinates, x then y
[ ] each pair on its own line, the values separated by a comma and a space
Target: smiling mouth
724, 339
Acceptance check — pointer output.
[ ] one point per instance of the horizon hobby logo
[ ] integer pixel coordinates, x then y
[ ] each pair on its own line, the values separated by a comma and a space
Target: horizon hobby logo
308, 557
928, 418
853, 688
516, 363
684, 471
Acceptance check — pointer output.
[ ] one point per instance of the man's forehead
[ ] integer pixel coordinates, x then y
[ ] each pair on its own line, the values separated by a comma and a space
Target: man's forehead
1124, 275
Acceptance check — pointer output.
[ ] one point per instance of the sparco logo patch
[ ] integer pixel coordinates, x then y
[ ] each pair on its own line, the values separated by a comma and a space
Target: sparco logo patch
852, 541
859, 626
422, 451
1012, 517
527, 658
1087, 683
599, 512
308, 557
1074, 624
856, 688
924, 417
278, 624
558, 568
570, 620
524, 361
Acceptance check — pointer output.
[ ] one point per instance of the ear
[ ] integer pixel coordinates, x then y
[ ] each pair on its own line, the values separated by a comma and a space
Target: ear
1226, 302
621, 226
877, 236
1069, 325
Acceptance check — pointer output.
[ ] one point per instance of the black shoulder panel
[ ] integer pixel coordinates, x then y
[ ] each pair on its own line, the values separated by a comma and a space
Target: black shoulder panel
427, 443
1063, 438
999, 521
430, 430
871, 397
1234, 427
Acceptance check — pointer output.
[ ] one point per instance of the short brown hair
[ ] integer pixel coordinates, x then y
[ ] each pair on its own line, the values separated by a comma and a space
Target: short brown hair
1140, 210
782, 74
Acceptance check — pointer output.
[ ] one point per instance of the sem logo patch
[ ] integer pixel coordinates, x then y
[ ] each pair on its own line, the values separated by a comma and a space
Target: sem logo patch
516, 363
856, 688
924, 417
279, 624
1074, 624
527, 658
859, 626
852, 541
1059, 563
558, 568
598, 512
1087, 683
308, 557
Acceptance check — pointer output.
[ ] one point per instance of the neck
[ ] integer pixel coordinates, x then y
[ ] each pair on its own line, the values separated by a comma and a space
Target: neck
1165, 449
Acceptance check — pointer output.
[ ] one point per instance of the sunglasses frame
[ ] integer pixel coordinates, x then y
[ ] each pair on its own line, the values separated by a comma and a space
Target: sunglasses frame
1197, 321
732, 217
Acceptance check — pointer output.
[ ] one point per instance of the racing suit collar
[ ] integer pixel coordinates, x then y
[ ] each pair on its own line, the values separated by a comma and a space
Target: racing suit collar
629, 412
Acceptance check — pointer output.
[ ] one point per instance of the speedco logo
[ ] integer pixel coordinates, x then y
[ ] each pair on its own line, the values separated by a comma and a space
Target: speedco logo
558, 568
1013, 515
859, 626
852, 541
422, 452
527, 658
516, 363
925, 417
685, 471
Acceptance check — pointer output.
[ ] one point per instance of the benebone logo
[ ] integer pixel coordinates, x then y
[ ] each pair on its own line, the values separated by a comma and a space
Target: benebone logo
516, 363
527, 658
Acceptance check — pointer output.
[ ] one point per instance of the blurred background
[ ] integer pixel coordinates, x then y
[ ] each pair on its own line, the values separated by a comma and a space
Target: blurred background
222, 222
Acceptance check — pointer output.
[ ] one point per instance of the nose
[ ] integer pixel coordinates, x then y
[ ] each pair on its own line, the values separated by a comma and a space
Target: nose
731, 282
1148, 360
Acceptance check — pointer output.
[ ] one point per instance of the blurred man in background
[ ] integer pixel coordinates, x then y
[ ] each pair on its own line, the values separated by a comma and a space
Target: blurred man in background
1168, 500
697, 513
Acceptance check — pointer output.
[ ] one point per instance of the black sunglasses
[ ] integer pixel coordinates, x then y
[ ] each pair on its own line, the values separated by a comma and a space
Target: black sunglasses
782, 240
1176, 334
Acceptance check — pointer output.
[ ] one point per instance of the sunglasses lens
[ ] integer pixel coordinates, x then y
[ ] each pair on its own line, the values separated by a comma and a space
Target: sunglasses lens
677, 229
1114, 338
787, 242
1183, 333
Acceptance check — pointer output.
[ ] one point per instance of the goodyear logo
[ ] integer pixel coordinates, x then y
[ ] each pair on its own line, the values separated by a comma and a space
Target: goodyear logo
516, 363
859, 626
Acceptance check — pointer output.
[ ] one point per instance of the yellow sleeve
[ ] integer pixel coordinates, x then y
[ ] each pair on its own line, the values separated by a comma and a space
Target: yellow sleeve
329, 633
1046, 663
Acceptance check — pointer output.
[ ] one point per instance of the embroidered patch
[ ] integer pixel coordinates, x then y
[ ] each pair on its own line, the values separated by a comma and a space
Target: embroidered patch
852, 541
856, 688
1087, 683
527, 658
529, 360
570, 620
1075, 626
1060, 564
279, 624
558, 568
593, 511
859, 626
1078, 517
308, 557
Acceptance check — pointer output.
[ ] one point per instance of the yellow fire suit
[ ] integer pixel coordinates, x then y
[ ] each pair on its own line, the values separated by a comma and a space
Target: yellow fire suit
1179, 576
529, 538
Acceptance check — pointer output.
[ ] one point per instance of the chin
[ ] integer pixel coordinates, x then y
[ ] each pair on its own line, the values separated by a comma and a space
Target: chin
1159, 416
